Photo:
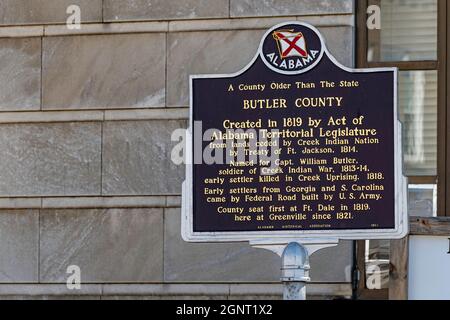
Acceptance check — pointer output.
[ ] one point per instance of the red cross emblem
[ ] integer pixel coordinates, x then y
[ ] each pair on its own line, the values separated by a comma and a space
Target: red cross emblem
290, 44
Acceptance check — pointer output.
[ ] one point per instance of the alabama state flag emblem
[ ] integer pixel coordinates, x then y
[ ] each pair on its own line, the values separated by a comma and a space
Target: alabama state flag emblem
290, 44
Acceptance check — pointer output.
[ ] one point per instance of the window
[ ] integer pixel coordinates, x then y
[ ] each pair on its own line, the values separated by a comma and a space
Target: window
412, 37
408, 31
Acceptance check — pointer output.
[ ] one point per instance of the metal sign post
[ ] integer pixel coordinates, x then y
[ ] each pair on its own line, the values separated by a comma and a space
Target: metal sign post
294, 271
295, 265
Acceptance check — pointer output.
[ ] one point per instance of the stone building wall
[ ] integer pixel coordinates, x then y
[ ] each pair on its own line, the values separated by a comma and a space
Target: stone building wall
86, 118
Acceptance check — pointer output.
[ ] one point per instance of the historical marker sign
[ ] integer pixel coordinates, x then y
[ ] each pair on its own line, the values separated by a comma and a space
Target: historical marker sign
294, 145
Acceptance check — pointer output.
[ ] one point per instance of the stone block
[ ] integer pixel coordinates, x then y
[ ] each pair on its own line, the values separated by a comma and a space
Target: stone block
19, 245
340, 42
20, 74
213, 262
50, 159
104, 71
15, 12
137, 158
332, 264
249, 8
109, 245
136, 10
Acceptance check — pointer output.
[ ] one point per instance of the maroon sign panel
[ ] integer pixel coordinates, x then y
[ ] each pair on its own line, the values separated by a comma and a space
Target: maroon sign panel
294, 142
